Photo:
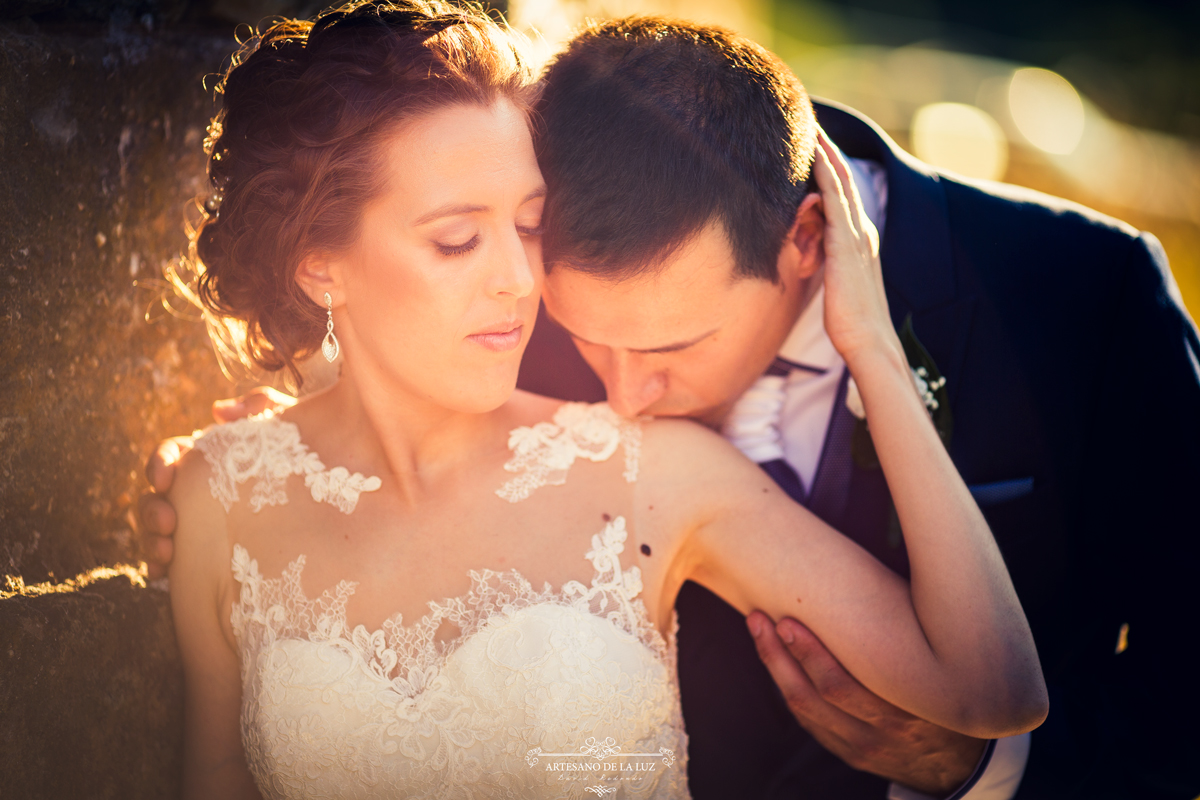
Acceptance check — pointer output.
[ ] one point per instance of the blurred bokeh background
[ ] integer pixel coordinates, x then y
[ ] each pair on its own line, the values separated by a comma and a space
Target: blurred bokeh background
102, 111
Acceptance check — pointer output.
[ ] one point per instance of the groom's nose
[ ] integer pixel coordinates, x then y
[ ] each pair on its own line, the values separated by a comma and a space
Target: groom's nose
632, 384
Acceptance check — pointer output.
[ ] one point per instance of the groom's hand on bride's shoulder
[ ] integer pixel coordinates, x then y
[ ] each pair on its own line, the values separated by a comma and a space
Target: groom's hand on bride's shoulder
856, 725
155, 518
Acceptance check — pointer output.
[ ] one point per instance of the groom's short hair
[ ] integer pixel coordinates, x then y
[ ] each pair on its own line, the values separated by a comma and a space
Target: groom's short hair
651, 128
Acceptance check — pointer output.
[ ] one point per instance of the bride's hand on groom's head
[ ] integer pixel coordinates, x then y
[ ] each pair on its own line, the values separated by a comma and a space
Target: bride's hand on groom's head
856, 307
155, 518
853, 723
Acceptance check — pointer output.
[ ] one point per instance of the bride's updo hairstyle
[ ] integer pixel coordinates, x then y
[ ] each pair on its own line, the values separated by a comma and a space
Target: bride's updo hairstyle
295, 152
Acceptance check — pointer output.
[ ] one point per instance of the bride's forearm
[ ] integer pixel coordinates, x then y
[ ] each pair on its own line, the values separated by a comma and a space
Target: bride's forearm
961, 592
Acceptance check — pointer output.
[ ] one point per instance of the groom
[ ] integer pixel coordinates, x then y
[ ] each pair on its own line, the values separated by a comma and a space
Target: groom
676, 155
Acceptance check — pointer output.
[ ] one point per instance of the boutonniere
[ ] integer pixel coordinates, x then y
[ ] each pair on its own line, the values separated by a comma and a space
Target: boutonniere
931, 386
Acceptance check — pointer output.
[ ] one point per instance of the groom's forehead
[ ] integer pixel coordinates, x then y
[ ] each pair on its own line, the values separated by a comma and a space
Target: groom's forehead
702, 262
680, 302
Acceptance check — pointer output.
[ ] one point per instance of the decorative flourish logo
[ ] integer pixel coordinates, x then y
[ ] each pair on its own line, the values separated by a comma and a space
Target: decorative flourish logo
591, 748
600, 791
608, 747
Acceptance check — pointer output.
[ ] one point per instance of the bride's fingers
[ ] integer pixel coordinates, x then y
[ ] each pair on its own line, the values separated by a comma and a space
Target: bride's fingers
838, 219
827, 181
861, 228
849, 191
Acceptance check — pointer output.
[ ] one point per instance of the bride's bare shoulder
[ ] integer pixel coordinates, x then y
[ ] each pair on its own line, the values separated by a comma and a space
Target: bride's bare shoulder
199, 569
194, 492
684, 439
242, 461
678, 452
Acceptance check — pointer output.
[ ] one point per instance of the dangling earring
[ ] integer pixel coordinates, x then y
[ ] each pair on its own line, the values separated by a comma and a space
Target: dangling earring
329, 346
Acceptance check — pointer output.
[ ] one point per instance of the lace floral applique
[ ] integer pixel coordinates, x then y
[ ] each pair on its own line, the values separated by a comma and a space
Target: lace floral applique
409, 655
269, 450
329, 710
544, 453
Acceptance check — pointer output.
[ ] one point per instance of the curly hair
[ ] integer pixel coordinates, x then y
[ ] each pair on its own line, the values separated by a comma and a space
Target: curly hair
294, 153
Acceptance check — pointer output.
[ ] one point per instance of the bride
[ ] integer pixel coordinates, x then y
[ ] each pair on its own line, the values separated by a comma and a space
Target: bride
422, 583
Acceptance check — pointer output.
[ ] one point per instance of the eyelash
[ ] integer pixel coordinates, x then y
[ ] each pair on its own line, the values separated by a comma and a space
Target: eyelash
470, 244
458, 249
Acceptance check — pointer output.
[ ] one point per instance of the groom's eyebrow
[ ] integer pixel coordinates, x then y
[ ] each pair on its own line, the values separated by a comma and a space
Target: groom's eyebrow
453, 210
667, 348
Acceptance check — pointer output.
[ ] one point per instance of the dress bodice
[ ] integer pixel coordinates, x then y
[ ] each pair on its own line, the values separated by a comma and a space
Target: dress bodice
566, 694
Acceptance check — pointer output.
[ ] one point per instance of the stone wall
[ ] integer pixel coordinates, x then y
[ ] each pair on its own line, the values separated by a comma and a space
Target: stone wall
102, 115
100, 142
91, 690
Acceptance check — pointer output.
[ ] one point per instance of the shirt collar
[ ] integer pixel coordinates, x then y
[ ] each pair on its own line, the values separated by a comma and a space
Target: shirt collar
808, 345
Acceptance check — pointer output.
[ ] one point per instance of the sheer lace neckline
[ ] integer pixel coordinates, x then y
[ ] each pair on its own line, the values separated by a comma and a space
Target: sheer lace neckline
408, 655
330, 710
268, 449
543, 453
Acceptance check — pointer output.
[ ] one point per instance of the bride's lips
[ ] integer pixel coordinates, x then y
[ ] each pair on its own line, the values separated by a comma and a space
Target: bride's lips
499, 338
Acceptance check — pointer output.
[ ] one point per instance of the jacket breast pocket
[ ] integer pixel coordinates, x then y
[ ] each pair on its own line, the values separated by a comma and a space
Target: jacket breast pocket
990, 494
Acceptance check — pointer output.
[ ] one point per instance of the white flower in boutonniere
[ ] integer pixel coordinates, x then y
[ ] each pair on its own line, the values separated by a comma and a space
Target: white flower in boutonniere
930, 386
925, 389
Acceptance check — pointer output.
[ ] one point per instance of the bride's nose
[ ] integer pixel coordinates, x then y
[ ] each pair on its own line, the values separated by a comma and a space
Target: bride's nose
515, 271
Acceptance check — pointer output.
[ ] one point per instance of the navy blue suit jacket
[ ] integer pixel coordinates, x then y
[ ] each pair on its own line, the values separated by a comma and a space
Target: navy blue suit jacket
1074, 380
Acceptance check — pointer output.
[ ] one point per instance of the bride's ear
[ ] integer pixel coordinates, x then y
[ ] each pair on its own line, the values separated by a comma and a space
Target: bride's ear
318, 274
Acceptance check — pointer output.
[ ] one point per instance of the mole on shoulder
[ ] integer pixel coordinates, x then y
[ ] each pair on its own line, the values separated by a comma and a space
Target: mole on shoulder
766, 490
645, 548
606, 517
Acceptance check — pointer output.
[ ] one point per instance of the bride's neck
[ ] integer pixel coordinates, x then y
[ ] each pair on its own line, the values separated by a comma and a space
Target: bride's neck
418, 440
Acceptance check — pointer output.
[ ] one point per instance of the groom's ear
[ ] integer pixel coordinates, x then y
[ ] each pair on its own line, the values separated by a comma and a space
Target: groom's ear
803, 251
317, 274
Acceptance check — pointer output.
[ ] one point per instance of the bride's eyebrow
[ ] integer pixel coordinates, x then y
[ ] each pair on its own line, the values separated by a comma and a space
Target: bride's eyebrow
454, 210
451, 210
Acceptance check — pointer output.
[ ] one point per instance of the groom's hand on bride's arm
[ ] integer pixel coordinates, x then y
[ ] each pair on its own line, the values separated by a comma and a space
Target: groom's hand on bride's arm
856, 725
155, 517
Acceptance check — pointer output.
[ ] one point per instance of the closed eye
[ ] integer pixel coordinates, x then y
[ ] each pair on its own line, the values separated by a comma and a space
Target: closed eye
458, 249
526, 231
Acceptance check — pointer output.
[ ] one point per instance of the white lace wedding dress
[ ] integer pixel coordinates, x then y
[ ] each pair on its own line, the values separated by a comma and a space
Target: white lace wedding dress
544, 694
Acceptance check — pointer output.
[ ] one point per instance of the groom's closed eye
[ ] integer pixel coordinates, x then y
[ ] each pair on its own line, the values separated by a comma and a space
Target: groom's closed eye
676, 347
669, 348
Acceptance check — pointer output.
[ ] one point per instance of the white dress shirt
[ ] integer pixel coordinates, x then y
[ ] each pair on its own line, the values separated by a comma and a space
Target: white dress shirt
787, 418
